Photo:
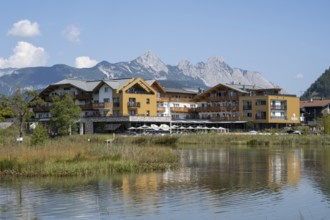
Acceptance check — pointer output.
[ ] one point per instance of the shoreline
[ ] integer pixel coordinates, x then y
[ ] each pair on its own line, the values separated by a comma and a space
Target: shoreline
92, 155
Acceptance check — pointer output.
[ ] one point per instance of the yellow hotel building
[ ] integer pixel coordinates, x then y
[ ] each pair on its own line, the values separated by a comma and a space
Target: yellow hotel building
266, 108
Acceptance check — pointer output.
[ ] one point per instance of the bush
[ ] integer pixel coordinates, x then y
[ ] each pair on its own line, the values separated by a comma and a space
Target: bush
252, 142
39, 135
166, 140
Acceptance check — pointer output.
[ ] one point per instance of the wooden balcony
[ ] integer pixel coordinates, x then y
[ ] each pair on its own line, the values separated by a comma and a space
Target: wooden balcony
173, 99
104, 105
160, 109
217, 109
221, 98
163, 99
179, 109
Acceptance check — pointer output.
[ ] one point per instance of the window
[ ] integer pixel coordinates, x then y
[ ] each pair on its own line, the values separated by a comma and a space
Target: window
132, 112
261, 102
116, 102
148, 113
106, 89
106, 100
148, 101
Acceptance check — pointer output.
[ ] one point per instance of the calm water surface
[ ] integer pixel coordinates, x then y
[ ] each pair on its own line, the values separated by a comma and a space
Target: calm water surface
217, 183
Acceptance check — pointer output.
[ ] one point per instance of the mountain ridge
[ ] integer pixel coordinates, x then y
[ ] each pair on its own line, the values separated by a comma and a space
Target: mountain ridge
147, 66
319, 89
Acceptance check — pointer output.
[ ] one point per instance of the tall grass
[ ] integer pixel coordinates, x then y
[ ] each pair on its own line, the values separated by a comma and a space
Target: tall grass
91, 154
83, 155
253, 140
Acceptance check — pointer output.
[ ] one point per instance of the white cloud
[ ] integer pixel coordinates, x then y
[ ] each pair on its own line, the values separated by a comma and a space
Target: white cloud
25, 55
85, 62
24, 28
299, 76
72, 34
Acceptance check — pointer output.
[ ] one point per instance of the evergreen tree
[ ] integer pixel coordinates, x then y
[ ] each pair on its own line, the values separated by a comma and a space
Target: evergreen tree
39, 135
64, 113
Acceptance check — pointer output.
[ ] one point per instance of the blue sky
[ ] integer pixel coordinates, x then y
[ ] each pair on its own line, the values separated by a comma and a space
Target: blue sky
285, 40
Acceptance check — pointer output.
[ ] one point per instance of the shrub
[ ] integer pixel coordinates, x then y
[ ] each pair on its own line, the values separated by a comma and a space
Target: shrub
39, 135
166, 140
252, 142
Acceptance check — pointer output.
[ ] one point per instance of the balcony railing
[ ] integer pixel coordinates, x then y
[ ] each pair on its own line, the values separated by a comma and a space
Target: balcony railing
247, 107
160, 109
104, 105
279, 117
173, 99
217, 109
278, 107
221, 98
133, 104
180, 109
163, 99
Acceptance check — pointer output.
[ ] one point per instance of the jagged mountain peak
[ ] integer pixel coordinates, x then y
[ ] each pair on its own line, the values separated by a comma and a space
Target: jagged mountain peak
184, 63
215, 59
150, 60
148, 66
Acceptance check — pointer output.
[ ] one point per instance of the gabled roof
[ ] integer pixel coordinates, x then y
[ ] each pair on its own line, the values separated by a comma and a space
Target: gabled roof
138, 81
315, 103
156, 84
112, 83
87, 86
116, 83
217, 87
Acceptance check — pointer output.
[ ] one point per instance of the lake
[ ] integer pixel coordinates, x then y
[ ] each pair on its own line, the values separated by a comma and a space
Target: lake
214, 183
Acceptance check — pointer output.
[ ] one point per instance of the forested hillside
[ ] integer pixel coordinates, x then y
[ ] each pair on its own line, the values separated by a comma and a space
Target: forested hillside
320, 88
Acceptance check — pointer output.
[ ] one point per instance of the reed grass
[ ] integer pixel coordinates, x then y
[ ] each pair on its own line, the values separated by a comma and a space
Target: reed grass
91, 155
201, 140
83, 156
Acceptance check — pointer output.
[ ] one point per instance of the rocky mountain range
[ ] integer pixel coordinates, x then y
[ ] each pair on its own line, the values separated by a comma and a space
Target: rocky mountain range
148, 66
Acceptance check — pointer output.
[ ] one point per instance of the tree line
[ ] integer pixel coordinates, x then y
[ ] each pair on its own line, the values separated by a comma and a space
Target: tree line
18, 109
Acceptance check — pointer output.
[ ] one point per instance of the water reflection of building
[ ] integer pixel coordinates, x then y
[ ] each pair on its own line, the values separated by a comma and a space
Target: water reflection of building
135, 190
228, 167
284, 168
